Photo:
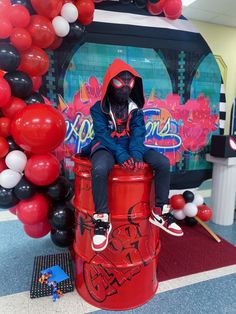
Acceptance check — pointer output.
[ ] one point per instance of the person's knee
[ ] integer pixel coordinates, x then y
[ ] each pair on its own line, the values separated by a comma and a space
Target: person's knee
101, 169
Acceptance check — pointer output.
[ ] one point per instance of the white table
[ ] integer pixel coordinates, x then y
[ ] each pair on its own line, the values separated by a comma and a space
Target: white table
223, 189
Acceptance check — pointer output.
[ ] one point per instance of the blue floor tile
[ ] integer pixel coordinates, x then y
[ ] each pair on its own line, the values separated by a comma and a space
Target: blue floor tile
215, 296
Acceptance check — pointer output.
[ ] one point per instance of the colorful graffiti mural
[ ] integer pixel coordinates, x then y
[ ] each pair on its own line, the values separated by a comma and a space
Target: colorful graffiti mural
176, 128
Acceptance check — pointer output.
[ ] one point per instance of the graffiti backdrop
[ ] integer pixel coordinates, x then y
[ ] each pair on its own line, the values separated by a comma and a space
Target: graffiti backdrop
182, 85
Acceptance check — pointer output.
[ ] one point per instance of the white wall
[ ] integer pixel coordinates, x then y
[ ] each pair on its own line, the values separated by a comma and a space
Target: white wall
222, 41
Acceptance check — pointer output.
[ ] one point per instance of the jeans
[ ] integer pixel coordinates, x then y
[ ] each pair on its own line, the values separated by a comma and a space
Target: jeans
102, 163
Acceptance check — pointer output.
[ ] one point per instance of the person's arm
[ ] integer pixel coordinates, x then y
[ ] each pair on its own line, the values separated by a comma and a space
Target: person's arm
137, 135
102, 133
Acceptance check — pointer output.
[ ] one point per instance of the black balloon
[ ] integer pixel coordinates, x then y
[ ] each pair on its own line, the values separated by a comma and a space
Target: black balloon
9, 57
188, 196
24, 189
141, 3
20, 83
76, 30
34, 99
70, 193
62, 238
190, 221
7, 198
12, 144
61, 216
59, 190
25, 3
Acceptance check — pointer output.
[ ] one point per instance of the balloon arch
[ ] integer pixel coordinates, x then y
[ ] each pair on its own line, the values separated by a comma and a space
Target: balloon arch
31, 184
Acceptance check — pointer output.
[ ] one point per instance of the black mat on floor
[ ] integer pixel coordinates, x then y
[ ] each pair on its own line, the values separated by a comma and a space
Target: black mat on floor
37, 289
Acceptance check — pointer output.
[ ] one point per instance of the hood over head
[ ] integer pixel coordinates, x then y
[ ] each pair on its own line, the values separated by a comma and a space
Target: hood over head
117, 66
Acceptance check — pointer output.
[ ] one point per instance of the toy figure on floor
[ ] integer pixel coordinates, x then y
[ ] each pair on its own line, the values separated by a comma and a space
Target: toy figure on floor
119, 134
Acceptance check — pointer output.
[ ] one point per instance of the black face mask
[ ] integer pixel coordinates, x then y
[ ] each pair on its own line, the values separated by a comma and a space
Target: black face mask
120, 87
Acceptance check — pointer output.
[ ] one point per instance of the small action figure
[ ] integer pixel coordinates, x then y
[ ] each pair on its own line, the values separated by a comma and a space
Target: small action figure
45, 279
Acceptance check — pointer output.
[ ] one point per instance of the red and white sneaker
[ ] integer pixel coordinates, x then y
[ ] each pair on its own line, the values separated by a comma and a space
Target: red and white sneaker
163, 219
102, 229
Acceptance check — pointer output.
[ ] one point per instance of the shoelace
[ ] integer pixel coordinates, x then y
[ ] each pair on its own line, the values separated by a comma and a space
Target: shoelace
170, 218
100, 226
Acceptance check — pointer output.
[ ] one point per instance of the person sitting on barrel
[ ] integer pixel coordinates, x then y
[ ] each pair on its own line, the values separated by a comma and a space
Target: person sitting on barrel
119, 134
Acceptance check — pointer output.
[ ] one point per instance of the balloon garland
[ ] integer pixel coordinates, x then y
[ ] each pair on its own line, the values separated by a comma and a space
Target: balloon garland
191, 208
30, 130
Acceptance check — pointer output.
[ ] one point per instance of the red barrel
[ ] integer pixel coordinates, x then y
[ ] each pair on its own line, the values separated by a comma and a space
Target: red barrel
124, 275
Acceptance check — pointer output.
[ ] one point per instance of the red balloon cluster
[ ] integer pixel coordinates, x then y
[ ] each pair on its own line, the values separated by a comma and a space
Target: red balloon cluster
29, 129
55, 17
189, 205
172, 9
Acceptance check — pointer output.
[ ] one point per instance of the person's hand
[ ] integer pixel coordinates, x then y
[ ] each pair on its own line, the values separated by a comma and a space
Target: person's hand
138, 164
128, 164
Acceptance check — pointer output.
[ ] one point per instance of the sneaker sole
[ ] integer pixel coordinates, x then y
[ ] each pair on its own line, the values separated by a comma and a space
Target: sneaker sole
156, 223
106, 243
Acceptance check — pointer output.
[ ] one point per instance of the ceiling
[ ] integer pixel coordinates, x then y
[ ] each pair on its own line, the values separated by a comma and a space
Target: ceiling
212, 11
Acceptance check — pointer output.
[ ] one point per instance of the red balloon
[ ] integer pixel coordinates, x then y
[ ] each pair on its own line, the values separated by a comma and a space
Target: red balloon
14, 106
37, 82
48, 8
86, 20
19, 16
156, 8
21, 39
38, 128
13, 210
5, 127
3, 165
34, 61
204, 212
5, 92
56, 44
5, 27
2, 73
41, 30
42, 169
5, 6
173, 9
38, 230
85, 8
4, 147
33, 210
177, 202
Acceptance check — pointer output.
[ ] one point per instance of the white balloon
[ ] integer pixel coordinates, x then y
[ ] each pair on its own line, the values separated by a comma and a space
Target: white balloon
9, 178
178, 214
190, 209
70, 12
198, 200
16, 160
61, 26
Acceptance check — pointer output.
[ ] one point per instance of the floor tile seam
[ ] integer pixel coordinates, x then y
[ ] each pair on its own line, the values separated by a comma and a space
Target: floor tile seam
184, 281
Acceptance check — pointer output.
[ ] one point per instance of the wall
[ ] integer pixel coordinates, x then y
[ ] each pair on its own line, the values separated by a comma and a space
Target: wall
222, 41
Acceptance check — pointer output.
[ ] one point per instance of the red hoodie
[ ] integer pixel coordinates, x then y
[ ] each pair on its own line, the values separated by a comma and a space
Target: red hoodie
113, 70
